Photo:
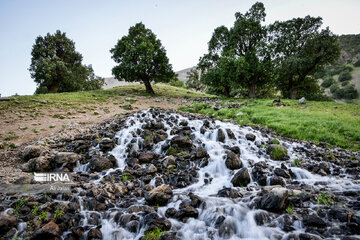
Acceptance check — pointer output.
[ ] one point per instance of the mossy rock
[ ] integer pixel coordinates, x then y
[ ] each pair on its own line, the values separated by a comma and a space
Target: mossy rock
277, 152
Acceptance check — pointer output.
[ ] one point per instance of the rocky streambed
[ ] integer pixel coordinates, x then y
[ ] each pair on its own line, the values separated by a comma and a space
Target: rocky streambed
160, 174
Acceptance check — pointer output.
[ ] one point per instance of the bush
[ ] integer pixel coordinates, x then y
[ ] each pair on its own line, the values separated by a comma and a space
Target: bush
334, 88
177, 83
344, 83
357, 63
348, 92
344, 76
328, 81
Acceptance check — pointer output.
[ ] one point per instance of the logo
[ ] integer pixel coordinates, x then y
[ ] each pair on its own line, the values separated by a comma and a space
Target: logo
52, 177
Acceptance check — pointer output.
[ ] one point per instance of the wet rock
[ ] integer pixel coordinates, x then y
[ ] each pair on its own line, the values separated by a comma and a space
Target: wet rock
30, 152
229, 193
277, 152
98, 163
181, 141
307, 236
275, 200
141, 208
259, 173
133, 226
94, 233
230, 134
250, 137
170, 162
313, 221
186, 211
196, 201
282, 173
6, 223
220, 135
49, 231
106, 145
154, 221
201, 152
232, 161
241, 178
147, 157
262, 217
160, 195
170, 212
276, 180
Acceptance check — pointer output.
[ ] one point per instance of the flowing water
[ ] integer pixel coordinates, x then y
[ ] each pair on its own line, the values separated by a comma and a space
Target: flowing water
239, 216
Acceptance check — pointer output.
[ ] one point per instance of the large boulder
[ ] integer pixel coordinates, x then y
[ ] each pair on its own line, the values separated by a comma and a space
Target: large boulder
66, 159
229, 193
147, 157
30, 152
186, 211
160, 195
250, 137
98, 163
275, 200
181, 141
49, 231
106, 145
220, 135
6, 223
314, 220
94, 233
277, 152
232, 161
39, 164
241, 178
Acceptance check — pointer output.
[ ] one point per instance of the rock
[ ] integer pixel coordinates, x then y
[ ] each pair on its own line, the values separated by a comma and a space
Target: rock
98, 163
160, 195
313, 221
220, 135
6, 223
181, 141
201, 152
302, 100
170, 162
282, 173
275, 200
30, 152
147, 157
170, 212
241, 178
250, 137
277, 152
276, 180
66, 159
232, 161
39, 164
94, 233
154, 221
186, 211
229, 193
259, 173
230, 133
106, 145
151, 169
49, 231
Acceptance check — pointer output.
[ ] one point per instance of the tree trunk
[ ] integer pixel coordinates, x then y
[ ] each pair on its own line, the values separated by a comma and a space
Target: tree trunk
293, 93
252, 93
53, 88
149, 89
227, 91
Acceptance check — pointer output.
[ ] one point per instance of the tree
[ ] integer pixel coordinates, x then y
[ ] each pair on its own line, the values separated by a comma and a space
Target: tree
193, 80
56, 65
301, 50
241, 49
141, 57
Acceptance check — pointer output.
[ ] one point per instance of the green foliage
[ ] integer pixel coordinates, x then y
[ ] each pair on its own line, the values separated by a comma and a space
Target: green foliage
239, 56
278, 153
357, 63
125, 177
58, 213
42, 216
350, 44
328, 81
177, 83
343, 84
19, 204
344, 76
56, 66
302, 50
325, 199
35, 210
141, 57
154, 234
348, 92
290, 208
171, 151
296, 162
193, 80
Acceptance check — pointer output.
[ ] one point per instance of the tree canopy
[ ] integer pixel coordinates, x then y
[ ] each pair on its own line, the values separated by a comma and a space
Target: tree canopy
57, 67
141, 57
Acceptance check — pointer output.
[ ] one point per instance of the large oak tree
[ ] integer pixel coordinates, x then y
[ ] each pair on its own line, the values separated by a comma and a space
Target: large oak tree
141, 58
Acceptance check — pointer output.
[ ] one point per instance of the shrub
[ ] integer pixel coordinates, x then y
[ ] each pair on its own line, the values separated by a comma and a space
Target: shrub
334, 88
344, 83
328, 81
344, 76
357, 63
348, 92
177, 83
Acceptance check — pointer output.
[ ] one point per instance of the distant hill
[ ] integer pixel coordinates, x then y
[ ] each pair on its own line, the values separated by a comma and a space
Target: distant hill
350, 47
182, 74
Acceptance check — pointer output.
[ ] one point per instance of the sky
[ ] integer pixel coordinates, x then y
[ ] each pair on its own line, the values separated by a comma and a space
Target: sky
184, 28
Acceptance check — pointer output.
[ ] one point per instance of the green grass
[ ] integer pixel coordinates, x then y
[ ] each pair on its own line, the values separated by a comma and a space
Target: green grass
154, 234
325, 199
335, 123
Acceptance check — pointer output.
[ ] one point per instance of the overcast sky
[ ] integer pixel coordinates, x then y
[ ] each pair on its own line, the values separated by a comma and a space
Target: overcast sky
184, 28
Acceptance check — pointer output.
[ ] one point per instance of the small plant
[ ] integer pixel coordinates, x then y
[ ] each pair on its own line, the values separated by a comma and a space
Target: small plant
278, 153
329, 156
325, 199
154, 234
18, 205
125, 177
171, 151
275, 141
11, 136
296, 162
51, 126
290, 209
148, 137
12, 145
102, 180
58, 213
35, 210
42, 216
35, 131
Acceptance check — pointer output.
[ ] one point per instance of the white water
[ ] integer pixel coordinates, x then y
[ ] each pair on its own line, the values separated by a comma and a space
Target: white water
239, 217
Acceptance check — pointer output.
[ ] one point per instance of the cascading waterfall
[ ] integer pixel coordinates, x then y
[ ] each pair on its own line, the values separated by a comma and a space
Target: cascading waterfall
238, 215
